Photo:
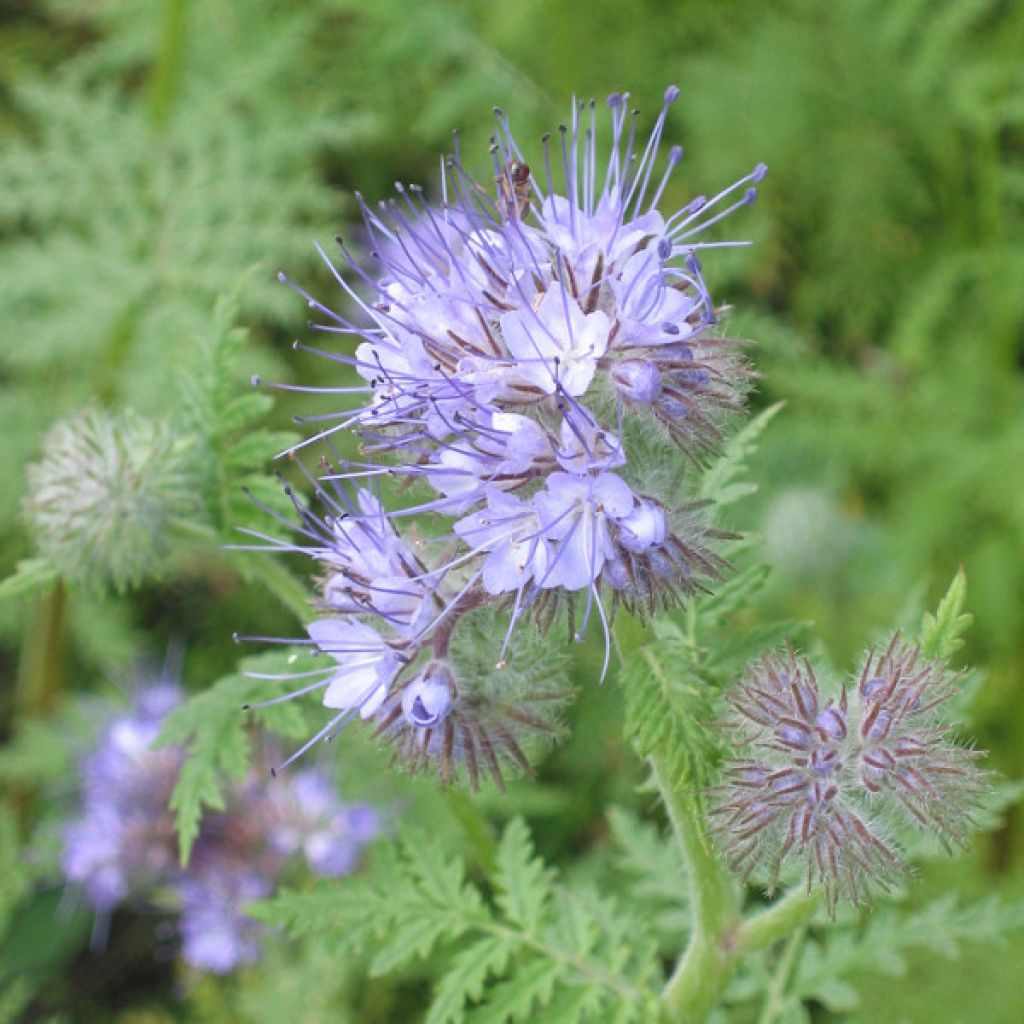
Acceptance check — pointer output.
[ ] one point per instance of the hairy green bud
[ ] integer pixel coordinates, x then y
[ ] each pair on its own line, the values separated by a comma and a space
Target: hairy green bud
101, 498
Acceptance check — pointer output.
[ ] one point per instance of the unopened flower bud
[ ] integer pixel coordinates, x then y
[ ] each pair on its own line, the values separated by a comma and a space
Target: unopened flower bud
102, 496
427, 700
638, 380
643, 528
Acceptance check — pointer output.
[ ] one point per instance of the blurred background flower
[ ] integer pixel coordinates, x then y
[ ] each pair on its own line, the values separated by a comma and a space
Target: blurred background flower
121, 846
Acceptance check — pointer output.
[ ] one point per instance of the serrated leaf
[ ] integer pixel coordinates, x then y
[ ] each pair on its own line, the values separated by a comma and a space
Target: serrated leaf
732, 594
574, 1005
517, 998
668, 703
259, 448
942, 633
408, 939
523, 883
464, 980
243, 411
212, 725
723, 482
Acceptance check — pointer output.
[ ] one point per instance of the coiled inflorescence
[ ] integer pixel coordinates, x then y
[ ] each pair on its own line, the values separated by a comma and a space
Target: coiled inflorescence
122, 846
538, 361
829, 780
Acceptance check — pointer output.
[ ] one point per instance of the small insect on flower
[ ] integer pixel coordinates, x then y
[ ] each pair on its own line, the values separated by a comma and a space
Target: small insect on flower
514, 190
829, 780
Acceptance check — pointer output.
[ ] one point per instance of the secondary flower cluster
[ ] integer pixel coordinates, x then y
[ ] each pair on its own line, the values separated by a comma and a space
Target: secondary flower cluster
828, 779
122, 845
538, 362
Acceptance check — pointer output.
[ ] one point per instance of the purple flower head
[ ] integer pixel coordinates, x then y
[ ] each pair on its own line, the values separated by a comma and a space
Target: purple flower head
216, 934
828, 781
515, 344
122, 845
122, 841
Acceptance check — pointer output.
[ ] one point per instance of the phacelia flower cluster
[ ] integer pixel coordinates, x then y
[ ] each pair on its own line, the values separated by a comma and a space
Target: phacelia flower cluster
121, 847
830, 781
539, 360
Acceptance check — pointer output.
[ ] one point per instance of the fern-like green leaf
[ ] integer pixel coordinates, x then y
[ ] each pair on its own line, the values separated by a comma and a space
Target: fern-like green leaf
668, 703
523, 882
940, 927
506, 960
464, 980
213, 726
942, 633
723, 483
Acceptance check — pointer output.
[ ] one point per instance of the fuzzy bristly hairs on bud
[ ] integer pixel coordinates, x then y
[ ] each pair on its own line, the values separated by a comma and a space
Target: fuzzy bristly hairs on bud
467, 713
516, 338
101, 498
830, 781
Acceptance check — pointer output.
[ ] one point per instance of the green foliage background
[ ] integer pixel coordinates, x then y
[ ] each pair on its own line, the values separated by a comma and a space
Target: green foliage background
158, 155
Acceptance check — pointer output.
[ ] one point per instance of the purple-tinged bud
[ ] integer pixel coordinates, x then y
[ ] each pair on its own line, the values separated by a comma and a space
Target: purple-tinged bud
643, 528
872, 688
876, 725
806, 699
794, 734
637, 380
427, 700
824, 760
880, 760
787, 782
831, 724
615, 574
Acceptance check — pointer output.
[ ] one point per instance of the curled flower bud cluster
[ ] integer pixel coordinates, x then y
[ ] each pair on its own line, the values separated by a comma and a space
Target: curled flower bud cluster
102, 496
533, 352
122, 845
828, 781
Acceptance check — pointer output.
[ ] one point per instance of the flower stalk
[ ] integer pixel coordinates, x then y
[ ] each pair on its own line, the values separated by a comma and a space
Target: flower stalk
720, 935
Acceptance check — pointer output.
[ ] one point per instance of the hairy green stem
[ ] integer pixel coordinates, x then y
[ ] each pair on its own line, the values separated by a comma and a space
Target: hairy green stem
705, 967
719, 936
777, 921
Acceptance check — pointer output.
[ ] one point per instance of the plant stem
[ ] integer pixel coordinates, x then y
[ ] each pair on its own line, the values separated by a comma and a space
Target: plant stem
773, 1002
41, 671
166, 77
792, 911
704, 969
719, 936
